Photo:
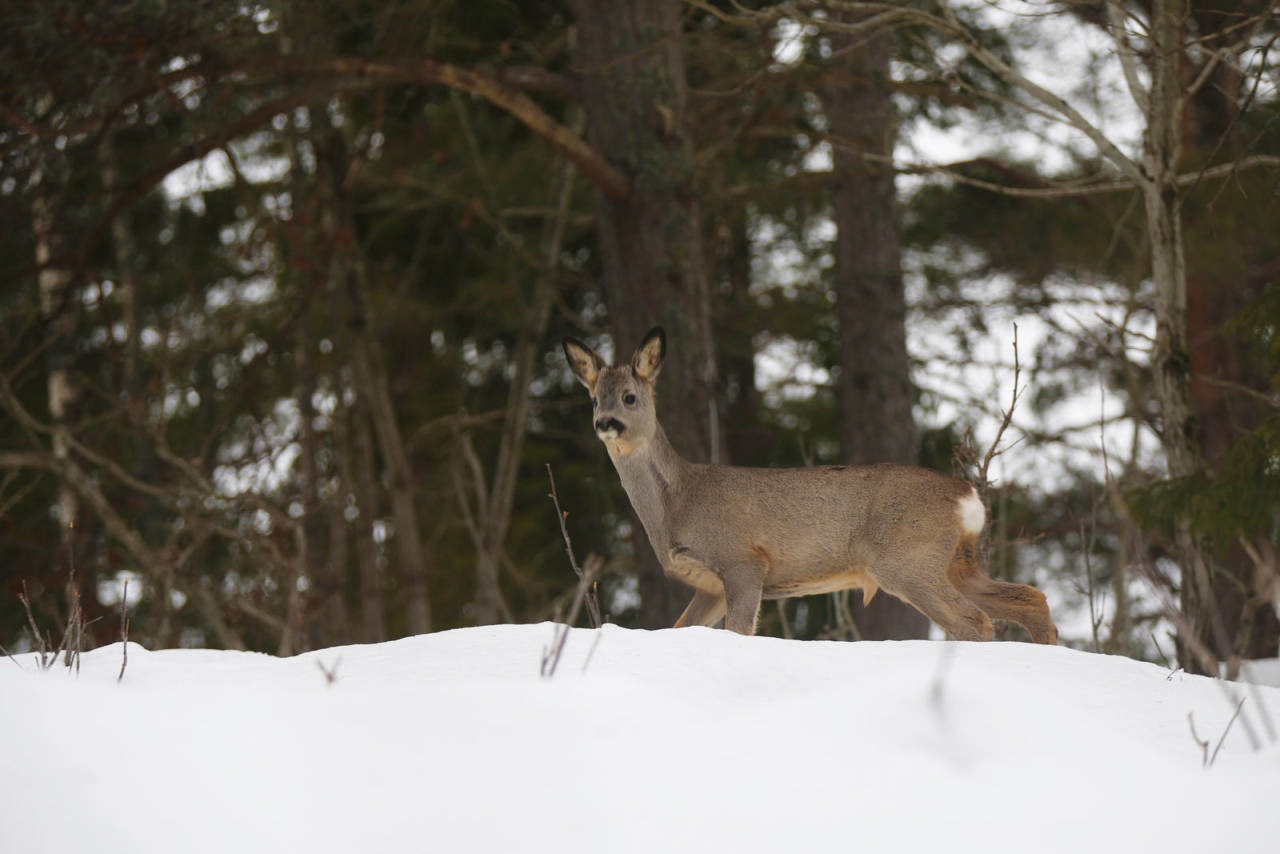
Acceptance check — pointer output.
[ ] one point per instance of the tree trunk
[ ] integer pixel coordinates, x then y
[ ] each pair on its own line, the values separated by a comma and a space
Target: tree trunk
372, 613
630, 60
372, 381
874, 382
348, 275
496, 521
57, 309
1203, 638
1220, 283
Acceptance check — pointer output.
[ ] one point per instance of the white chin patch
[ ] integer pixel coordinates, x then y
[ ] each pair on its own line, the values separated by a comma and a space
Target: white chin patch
607, 435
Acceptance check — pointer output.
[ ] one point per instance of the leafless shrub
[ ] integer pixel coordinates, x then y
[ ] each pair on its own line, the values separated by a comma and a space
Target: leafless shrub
69, 647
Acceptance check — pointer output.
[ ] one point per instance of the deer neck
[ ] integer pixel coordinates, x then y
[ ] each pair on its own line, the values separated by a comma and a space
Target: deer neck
652, 475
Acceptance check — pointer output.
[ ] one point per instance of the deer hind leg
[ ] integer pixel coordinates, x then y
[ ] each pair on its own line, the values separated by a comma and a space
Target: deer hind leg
929, 593
1003, 600
705, 609
959, 617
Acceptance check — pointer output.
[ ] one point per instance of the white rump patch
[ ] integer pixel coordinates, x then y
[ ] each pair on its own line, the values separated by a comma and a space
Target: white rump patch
973, 516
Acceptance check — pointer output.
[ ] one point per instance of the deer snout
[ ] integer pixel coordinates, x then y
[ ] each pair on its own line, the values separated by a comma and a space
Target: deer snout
609, 428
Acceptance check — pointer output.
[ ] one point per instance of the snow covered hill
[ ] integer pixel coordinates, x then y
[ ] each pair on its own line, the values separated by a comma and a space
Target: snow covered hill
689, 740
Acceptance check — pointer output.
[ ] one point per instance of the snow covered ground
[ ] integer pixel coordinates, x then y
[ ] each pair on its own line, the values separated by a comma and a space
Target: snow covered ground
689, 740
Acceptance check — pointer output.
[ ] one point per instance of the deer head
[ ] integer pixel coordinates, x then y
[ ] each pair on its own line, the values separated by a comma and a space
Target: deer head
622, 398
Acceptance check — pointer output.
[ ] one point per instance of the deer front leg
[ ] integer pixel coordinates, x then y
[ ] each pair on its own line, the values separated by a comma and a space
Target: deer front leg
705, 609
743, 587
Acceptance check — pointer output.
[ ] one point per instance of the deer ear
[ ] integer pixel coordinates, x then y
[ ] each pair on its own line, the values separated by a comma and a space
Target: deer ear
583, 361
648, 358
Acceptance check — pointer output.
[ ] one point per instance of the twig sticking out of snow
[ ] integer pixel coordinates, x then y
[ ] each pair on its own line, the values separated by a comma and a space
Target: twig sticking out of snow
1202, 743
592, 600
124, 630
585, 593
551, 655
330, 671
72, 637
1226, 730
1206, 758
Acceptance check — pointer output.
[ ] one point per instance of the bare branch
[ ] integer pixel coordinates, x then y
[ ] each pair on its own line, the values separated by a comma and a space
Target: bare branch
994, 450
585, 593
593, 603
608, 178
124, 631
1214, 757
1117, 23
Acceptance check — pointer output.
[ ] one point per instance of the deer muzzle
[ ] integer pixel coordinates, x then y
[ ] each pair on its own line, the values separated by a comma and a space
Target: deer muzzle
609, 428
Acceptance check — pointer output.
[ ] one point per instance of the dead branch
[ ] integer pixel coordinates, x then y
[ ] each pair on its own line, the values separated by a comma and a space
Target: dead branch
38, 639
1213, 758
1007, 417
330, 671
586, 588
361, 73
592, 599
1203, 743
124, 630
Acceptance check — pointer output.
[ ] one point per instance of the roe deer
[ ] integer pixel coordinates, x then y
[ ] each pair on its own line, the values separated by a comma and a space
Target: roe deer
739, 535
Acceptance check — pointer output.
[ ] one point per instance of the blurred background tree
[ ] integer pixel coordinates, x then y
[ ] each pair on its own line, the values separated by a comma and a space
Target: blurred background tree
287, 282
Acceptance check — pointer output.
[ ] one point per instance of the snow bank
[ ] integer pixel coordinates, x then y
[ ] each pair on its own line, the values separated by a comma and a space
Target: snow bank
684, 740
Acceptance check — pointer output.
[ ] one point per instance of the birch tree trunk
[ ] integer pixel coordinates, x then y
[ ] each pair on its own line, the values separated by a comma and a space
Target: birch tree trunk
57, 310
1203, 638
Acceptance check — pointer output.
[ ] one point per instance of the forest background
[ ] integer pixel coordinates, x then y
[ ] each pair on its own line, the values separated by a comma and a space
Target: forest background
287, 281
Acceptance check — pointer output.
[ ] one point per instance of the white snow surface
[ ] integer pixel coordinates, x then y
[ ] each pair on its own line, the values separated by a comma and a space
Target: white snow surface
678, 740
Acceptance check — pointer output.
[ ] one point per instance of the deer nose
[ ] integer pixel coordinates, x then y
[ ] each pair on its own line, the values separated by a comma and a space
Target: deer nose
610, 427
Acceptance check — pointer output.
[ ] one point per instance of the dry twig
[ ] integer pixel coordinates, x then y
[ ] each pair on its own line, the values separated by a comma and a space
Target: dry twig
586, 587
124, 631
994, 450
592, 599
330, 671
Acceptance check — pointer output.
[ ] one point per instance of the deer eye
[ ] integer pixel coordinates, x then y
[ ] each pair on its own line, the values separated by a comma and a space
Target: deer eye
629, 399
593, 402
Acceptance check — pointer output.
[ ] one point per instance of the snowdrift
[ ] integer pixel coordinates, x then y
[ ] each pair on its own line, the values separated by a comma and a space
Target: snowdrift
688, 740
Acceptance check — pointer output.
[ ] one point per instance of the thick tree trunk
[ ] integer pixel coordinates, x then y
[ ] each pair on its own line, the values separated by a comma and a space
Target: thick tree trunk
874, 383
630, 60
1220, 283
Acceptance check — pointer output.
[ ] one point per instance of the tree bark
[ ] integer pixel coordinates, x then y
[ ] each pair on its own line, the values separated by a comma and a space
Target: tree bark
372, 607
1220, 283
874, 382
57, 310
1169, 362
496, 522
630, 60
348, 275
